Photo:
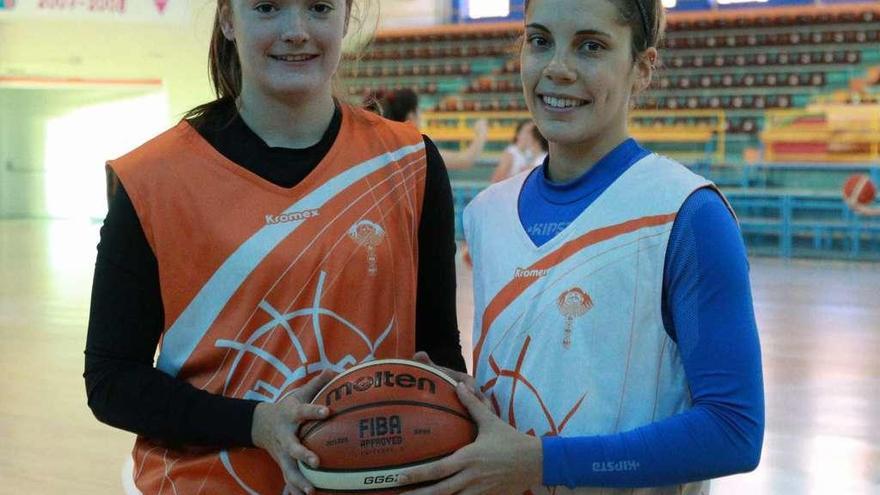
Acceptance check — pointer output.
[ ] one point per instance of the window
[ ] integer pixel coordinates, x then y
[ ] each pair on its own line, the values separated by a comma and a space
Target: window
479, 9
731, 2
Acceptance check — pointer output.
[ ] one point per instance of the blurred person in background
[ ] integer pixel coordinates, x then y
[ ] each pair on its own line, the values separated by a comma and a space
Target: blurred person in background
519, 154
540, 149
402, 105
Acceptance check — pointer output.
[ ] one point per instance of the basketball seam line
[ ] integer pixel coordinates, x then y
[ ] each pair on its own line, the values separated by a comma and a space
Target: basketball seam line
379, 468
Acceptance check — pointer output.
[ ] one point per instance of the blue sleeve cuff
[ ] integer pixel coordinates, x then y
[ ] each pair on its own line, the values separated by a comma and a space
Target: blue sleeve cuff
554, 459
573, 461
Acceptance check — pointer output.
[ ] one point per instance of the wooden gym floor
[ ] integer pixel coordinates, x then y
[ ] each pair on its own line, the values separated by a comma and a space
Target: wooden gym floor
819, 325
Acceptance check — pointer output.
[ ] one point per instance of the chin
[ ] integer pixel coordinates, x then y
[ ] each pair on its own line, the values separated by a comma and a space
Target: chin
562, 133
298, 90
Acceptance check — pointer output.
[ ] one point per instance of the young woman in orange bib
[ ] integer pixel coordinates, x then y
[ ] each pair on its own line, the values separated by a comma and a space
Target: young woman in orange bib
272, 238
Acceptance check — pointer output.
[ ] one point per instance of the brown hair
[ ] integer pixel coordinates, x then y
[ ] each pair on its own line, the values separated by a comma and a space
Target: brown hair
645, 18
224, 67
519, 128
397, 105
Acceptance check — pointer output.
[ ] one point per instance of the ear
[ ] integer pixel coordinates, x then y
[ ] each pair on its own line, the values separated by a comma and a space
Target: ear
645, 67
225, 17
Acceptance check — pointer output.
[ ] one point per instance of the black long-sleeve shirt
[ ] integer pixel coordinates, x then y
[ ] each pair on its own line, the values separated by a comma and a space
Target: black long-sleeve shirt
126, 319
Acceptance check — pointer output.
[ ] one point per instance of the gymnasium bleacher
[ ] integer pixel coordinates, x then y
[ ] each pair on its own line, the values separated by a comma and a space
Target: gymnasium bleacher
736, 98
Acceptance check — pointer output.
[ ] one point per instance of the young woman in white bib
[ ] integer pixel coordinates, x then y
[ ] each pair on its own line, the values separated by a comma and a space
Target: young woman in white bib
615, 345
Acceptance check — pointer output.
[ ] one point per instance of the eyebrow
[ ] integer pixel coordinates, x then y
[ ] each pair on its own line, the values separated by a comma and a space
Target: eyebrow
582, 32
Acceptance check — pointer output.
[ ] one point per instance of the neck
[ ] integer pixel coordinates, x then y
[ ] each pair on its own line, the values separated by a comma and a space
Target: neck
287, 124
570, 161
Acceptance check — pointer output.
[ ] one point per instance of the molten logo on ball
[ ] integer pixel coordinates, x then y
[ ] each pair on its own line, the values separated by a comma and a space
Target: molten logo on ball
385, 416
380, 379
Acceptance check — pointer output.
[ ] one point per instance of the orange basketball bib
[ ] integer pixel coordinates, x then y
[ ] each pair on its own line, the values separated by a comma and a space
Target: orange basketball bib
263, 287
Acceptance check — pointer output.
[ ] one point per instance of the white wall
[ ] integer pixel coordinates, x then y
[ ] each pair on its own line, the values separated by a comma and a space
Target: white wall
29, 169
55, 49
21, 174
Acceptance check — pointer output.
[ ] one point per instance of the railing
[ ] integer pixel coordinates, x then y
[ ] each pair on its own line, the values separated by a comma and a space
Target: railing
706, 129
785, 223
829, 133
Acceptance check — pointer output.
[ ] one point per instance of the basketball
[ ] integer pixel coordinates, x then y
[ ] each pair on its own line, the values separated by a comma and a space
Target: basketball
859, 189
385, 416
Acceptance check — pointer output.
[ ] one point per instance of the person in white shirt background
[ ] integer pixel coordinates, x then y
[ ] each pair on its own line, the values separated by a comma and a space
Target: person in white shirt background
519, 155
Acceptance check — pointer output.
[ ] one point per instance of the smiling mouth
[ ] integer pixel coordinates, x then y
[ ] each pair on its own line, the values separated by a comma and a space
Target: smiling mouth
562, 103
294, 58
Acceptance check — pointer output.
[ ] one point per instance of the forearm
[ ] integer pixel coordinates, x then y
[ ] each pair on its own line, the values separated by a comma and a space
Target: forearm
472, 152
695, 445
143, 400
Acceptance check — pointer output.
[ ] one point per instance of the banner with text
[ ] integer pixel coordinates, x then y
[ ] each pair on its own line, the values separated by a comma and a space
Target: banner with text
143, 11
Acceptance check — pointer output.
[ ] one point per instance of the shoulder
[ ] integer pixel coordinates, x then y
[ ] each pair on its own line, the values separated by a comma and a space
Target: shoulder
497, 194
677, 180
370, 122
656, 164
434, 157
705, 212
512, 150
158, 150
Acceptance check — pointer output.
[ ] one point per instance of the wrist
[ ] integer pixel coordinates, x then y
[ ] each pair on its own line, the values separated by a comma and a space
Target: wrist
257, 424
533, 456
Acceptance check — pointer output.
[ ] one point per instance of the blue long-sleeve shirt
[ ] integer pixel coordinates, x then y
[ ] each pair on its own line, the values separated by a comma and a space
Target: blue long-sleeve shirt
707, 309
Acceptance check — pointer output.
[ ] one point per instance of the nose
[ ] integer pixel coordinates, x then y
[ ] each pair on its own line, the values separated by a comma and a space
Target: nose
295, 28
558, 70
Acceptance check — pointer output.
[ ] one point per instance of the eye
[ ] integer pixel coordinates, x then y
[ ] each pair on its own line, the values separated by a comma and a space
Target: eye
265, 8
322, 8
592, 46
537, 41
